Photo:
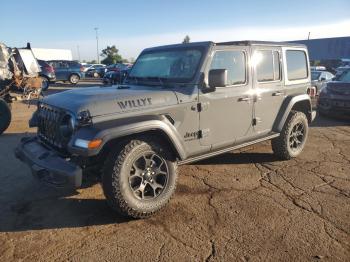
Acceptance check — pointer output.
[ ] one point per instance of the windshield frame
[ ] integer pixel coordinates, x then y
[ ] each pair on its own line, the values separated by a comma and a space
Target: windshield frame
202, 49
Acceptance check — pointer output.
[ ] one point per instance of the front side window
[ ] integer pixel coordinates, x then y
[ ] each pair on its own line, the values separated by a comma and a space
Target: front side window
296, 65
178, 65
234, 62
345, 77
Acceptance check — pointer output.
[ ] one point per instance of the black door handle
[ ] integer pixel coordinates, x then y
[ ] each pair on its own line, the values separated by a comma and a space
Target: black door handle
244, 99
278, 93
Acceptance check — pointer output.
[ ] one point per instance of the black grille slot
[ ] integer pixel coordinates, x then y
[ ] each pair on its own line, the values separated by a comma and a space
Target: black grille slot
49, 125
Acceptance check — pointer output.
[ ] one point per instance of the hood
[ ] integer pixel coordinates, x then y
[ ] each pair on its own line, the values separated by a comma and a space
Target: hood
114, 99
340, 88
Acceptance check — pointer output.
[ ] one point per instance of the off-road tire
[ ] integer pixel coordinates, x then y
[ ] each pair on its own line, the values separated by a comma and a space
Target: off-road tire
116, 175
74, 79
281, 145
5, 116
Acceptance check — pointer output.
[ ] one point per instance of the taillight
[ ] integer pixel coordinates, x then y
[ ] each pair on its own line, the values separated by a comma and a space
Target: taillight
49, 69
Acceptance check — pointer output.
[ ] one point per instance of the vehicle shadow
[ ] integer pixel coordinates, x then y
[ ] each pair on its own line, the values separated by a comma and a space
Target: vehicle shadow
325, 121
58, 212
26, 204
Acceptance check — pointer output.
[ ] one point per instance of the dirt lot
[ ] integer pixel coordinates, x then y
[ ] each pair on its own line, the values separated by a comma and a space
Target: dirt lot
241, 206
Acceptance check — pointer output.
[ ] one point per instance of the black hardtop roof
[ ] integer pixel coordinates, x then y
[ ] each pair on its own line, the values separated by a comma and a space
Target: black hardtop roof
237, 43
254, 42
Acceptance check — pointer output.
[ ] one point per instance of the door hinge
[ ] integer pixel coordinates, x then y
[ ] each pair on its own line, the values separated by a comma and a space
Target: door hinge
203, 133
202, 106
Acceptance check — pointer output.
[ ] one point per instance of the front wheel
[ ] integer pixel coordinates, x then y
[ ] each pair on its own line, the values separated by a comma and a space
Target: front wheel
292, 139
139, 178
45, 84
74, 79
5, 116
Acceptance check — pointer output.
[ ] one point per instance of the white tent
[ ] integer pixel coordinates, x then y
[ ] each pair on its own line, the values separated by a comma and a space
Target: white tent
52, 54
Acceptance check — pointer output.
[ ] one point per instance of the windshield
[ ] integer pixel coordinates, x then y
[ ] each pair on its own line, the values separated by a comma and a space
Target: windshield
178, 65
344, 77
315, 75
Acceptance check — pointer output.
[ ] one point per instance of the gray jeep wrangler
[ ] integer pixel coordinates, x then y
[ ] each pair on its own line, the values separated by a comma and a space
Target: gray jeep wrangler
179, 104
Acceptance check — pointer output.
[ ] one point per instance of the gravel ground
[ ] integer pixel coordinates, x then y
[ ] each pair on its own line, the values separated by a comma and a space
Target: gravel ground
241, 206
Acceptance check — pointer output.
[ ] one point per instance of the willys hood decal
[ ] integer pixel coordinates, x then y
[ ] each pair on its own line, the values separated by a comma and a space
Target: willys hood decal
109, 100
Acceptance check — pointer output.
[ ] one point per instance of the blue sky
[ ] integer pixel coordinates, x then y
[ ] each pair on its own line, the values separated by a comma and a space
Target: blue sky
134, 25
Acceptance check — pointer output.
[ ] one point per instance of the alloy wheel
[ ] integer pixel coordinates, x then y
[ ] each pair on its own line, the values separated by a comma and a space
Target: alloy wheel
297, 136
149, 175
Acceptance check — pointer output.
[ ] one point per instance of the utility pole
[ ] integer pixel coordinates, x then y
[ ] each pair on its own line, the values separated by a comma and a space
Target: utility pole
78, 52
97, 53
308, 37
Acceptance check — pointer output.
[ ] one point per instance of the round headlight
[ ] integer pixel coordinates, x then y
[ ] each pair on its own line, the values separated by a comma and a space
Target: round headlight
67, 126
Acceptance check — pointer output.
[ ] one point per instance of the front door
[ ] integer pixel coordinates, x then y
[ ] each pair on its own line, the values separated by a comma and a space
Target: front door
226, 114
61, 68
268, 87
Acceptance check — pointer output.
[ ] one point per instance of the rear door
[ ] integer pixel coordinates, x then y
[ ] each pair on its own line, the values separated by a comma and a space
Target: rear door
226, 114
268, 85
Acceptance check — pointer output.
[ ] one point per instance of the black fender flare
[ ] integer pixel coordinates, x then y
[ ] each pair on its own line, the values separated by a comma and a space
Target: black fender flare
288, 105
111, 130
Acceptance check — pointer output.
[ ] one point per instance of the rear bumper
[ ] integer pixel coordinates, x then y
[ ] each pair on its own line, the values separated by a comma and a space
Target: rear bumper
47, 166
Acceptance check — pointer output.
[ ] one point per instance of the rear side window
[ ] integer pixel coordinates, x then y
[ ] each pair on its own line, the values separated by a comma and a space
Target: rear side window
73, 64
268, 66
234, 62
296, 65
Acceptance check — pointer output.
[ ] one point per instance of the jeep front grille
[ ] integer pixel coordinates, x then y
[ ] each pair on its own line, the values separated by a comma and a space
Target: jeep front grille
49, 119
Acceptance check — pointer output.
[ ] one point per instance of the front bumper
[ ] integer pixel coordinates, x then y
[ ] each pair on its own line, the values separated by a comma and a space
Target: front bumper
334, 106
47, 166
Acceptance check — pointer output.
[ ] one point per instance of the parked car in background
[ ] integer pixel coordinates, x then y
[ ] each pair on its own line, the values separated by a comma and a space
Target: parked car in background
340, 70
113, 77
320, 68
86, 66
71, 71
97, 71
47, 73
334, 99
118, 67
319, 79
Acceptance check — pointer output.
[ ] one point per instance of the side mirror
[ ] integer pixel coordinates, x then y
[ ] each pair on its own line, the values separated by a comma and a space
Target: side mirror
217, 78
323, 79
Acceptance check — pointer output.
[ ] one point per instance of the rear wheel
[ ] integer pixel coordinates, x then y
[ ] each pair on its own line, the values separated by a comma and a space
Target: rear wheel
139, 178
292, 139
5, 116
74, 79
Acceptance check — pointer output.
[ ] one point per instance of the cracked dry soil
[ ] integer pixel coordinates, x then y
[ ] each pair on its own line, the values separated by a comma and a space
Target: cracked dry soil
241, 206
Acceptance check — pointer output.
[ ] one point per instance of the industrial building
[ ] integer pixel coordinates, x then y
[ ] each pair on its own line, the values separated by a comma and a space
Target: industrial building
328, 48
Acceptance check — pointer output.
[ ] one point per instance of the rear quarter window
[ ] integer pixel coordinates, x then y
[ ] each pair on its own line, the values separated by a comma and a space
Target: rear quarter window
297, 68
